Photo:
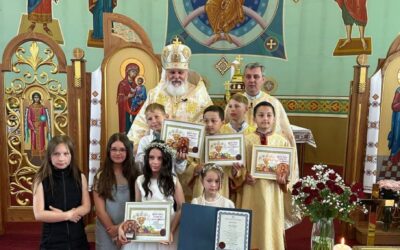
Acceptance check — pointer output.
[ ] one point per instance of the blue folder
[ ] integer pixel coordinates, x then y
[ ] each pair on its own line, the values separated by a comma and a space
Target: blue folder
198, 227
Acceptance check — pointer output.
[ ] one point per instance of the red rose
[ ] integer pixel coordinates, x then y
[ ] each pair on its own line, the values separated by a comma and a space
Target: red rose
320, 185
314, 193
353, 198
339, 190
332, 176
295, 192
331, 185
308, 200
297, 185
356, 187
306, 190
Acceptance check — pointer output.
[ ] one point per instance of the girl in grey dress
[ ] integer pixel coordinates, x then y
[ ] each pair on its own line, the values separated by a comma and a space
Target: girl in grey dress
114, 184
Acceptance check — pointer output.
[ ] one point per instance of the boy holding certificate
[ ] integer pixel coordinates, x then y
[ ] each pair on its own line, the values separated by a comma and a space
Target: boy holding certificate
155, 116
213, 118
266, 198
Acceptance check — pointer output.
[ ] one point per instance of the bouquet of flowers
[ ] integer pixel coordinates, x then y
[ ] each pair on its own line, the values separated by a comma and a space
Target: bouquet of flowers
323, 197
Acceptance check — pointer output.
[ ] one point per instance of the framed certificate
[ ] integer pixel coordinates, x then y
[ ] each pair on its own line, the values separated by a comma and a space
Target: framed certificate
184, 136
151, 221
204, 227
266, 161
232, 230
224, 149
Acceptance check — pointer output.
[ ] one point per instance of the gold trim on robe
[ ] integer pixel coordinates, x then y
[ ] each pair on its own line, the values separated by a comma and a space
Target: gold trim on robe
188, 107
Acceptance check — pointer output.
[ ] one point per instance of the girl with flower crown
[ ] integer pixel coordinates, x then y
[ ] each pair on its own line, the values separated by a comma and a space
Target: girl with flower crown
158, 184
211, 179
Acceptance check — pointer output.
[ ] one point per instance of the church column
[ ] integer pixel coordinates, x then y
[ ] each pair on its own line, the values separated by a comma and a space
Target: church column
357, 128
79, 115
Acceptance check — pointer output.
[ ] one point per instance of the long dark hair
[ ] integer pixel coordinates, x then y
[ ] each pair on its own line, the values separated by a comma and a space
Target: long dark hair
105, 178
46, 169
165, 179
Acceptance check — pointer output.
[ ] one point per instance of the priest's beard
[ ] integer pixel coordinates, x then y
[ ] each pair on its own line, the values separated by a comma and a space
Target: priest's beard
176, 91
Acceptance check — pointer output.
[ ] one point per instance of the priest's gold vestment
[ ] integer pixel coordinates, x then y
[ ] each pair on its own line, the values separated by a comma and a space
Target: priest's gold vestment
188, 108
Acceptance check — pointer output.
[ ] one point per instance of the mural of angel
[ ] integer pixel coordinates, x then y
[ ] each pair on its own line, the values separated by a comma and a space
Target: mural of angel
394, 134
37, 125
223, 16
39, 11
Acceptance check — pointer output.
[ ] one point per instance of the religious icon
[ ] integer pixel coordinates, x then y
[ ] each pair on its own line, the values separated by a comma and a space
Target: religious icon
138, 98
131, 95
37, 125
40, 12
178, 142
98, 8
130, 227
394, 134
223, 16
353, 12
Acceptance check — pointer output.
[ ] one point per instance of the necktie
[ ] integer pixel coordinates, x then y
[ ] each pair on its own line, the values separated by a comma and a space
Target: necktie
263, 138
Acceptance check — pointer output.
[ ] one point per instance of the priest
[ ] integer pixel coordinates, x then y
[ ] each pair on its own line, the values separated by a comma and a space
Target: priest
182, 92
253, 80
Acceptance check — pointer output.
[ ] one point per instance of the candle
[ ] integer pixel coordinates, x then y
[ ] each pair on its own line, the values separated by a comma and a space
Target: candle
341, 246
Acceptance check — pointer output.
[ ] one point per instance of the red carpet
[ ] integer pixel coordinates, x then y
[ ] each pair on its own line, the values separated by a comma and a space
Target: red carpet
23, 236
26, 236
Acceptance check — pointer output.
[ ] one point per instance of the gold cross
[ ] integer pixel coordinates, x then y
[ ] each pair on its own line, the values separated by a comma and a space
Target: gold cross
271, 43
239, 58
176, 40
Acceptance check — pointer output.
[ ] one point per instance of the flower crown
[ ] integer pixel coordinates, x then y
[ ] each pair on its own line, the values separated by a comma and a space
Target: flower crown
212, 166
163, 147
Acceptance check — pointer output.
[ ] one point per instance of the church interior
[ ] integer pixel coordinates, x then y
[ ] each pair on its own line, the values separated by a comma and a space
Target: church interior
333, 65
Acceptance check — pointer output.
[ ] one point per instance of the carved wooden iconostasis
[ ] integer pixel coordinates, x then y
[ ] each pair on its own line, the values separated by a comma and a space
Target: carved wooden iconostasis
43, 97
368, 158
388, 157
127, 48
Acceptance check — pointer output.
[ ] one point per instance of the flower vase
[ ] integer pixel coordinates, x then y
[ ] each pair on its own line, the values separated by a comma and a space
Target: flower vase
323, 234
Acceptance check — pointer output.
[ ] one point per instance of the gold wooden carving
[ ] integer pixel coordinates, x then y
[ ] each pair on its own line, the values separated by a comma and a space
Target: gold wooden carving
36, 109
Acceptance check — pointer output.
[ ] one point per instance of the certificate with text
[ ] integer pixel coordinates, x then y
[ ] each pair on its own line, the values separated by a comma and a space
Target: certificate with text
232, 230
224, 149
152, 220
267, 162
184, 137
